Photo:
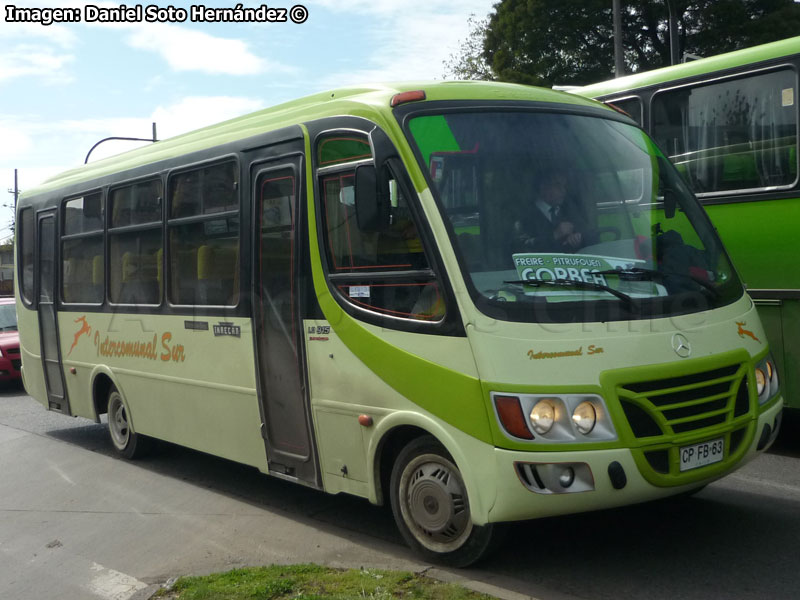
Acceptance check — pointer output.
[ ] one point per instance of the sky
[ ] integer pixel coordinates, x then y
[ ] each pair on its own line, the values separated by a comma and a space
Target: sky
67, 85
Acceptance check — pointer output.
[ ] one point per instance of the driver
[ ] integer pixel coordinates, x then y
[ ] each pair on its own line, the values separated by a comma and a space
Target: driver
552, 222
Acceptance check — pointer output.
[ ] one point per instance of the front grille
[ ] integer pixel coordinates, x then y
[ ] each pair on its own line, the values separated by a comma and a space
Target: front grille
12, 351
16, 363
684, 404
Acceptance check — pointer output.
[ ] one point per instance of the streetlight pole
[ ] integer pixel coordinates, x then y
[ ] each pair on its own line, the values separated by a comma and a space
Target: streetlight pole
127, 139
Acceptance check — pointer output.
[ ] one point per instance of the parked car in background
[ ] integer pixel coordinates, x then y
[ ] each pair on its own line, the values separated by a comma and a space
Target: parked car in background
10, 359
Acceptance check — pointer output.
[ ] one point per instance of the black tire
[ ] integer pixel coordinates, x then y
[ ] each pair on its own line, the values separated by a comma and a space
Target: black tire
431, 507
127, 443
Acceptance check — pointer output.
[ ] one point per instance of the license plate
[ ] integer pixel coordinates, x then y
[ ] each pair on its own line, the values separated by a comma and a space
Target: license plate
702, 454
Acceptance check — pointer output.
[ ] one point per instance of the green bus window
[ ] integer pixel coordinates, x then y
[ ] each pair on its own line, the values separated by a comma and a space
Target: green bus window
82, 262
203, 236
630, 106
734, 134
352, 251
26, 254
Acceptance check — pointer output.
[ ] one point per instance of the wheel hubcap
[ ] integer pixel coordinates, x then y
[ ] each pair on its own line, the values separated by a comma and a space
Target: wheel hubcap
118, 422
435, 503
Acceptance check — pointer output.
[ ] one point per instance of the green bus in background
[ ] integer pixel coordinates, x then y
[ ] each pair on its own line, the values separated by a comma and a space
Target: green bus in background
730, 125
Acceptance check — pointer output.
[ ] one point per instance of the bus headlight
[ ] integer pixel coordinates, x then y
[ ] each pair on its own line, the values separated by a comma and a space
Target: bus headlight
584, 416
761, 381
767, 386
543, 416
553, 418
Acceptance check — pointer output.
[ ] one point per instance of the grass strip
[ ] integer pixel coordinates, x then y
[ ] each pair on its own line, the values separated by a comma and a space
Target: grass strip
314, 582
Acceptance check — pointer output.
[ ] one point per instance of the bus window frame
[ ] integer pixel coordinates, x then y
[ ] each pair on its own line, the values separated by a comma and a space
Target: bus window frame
124, 229
713, 197
629, 97
64, 237
450, 324
21, 245
231, 157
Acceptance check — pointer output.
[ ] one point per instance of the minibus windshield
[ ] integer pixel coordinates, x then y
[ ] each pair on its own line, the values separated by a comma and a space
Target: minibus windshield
559, 217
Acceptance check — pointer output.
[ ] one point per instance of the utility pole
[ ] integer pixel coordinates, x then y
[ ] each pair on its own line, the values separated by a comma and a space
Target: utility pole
619, 62
15, 191
674, 50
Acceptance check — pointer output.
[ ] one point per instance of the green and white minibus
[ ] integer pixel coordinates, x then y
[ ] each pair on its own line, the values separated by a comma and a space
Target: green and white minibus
358, 291
730, 124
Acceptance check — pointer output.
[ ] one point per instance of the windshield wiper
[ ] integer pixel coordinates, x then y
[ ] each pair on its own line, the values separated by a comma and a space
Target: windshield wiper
583, 285
641, 274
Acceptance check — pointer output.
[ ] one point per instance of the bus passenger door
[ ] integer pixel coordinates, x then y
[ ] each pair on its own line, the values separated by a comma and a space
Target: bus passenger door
277, 188
48, 326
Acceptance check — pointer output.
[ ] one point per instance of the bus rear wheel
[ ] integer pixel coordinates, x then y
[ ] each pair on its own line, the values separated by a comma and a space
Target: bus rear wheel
126, 442
431, 507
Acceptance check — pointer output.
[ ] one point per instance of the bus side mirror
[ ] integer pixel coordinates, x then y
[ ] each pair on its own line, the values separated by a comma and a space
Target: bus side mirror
372, 198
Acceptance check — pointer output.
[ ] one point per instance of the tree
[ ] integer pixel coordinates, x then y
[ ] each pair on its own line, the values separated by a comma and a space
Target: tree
546, 42
469, 61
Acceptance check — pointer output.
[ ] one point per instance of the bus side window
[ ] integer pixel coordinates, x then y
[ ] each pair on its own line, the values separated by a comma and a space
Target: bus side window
731, 134
632, 107
81, 249
133, 262
203, 236
353, 252
25, 253
135, 244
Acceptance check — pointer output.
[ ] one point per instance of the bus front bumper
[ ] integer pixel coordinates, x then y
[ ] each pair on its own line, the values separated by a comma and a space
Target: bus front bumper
542, 484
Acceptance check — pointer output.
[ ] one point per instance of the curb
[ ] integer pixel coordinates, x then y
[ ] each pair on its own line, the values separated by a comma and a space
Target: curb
476, 586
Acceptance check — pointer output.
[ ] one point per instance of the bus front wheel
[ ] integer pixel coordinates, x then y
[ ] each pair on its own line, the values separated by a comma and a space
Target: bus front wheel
126, 442
431, 507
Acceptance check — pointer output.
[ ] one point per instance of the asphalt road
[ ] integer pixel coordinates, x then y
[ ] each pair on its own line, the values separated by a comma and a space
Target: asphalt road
78, 523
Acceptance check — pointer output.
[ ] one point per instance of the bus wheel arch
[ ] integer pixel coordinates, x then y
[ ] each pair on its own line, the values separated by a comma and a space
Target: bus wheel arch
430, 504
108, 399
389, 448
101, 385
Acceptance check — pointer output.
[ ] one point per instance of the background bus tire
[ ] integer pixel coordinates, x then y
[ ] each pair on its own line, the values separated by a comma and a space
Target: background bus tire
127, 443
431, 508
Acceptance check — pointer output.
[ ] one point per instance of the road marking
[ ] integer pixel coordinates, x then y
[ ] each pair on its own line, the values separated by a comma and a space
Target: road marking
113, 585
61, 473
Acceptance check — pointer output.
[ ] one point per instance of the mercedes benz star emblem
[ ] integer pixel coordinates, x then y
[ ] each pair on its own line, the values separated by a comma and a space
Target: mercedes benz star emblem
681, 345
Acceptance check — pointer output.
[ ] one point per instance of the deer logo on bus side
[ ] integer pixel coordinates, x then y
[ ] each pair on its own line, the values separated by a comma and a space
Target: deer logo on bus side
746, 332
85, 329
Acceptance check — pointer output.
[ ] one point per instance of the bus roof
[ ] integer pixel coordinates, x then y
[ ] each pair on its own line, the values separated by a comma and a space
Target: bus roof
719, 62
370, 101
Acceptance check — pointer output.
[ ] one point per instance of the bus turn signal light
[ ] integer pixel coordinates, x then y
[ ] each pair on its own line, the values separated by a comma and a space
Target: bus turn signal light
510, 412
